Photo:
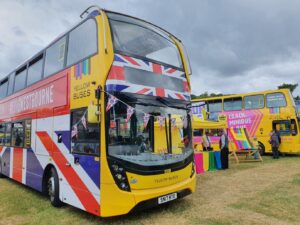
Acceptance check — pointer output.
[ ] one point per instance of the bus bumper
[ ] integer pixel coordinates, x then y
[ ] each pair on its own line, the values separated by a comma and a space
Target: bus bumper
121, 202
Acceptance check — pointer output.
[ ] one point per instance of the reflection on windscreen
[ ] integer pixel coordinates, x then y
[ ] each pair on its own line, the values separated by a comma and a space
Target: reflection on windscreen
148, 144
138, 38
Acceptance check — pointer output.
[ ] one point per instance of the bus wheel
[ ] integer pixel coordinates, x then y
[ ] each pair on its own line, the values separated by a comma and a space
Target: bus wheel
1, 174
53, 188
261, 149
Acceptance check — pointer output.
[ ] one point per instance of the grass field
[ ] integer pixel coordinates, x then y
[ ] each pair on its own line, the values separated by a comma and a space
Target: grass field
252, 193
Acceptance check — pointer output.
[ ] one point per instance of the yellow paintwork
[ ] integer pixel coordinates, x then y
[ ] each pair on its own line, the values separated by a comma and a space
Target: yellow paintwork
198, 123
205, 161
114, 201
140, 182
289, 144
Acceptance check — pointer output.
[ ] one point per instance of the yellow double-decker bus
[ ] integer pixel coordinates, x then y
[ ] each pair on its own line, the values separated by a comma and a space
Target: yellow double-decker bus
259, 112
100, 118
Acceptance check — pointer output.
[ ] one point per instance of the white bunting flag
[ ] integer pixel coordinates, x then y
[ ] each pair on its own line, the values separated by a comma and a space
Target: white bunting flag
146, 119
184, 121
83, 121
173, 122
161, 120
74, 131
111, 102
130, 111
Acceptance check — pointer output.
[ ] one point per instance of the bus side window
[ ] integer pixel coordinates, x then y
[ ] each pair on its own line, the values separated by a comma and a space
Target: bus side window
27, 134
294, 130
55, 57
198, 132
18, 134
283, 126
82, 42
85, 137
2, 133
7, 136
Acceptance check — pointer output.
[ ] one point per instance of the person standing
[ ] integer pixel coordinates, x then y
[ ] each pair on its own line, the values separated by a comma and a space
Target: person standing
224, 149
274, 141
206, 142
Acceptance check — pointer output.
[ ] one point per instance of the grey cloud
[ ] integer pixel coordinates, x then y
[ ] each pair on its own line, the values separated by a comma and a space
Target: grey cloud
229, 41
18, 31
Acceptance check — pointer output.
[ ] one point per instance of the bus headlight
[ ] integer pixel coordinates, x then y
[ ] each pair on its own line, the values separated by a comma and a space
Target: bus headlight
119, 175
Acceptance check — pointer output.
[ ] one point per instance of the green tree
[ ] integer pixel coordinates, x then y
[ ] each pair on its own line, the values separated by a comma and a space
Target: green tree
205, 95
292, 87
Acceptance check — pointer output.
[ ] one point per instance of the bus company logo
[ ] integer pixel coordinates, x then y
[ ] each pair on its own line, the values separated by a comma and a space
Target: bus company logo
82, 69
166, 179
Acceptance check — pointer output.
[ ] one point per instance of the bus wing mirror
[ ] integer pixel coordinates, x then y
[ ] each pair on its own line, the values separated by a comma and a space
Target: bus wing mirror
93, 114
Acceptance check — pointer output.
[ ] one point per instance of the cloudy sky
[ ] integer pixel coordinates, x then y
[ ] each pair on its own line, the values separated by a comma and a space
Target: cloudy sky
234, 46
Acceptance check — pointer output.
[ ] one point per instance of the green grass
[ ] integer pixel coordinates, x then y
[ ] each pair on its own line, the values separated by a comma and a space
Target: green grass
248, 193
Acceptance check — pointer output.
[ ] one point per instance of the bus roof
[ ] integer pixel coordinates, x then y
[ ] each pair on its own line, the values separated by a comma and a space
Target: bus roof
92, 14
240, 95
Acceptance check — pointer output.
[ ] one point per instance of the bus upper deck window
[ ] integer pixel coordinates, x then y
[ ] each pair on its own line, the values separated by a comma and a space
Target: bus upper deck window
82, 42
275, 100
54, 60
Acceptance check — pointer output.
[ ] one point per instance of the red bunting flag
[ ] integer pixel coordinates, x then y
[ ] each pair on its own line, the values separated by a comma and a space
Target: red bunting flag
130, 111
111, 102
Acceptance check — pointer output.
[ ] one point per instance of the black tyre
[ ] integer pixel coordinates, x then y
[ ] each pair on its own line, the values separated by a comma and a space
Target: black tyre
1, 174
53, 188
262, 149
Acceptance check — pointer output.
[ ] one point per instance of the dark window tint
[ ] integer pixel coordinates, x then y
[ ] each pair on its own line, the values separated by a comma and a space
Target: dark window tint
254, 102
10, 84
7, 136
85, 136
231, 104
3, 88
215, 106
283, 126
198, 133
2, 134
27, 135
18, 134
276, 100
55, 57
294, 129
82, 42
35, 70
20, 79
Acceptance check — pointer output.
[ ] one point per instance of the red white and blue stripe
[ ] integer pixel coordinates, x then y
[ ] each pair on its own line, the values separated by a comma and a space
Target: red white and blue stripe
116, 79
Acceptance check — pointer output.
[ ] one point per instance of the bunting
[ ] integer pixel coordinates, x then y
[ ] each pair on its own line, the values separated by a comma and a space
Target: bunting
130, 111
74, 131
83, 121
111, 102
146, 119
161, 120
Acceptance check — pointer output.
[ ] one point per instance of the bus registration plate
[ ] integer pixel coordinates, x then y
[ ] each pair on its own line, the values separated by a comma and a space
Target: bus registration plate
167, 198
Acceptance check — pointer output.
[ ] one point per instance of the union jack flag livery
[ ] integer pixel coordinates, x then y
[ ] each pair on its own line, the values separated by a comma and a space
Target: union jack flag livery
117, 78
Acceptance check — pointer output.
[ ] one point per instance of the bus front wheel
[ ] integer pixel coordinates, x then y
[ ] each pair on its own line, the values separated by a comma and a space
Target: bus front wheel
261, 149
53, 188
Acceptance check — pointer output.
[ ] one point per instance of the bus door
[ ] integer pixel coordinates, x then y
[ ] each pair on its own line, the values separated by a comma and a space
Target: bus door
84, 152
287, 130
